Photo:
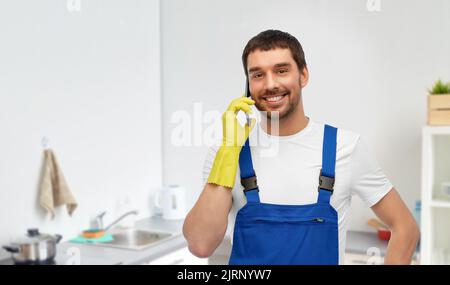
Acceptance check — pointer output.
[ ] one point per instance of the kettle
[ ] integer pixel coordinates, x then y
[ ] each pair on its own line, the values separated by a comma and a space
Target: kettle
171, 201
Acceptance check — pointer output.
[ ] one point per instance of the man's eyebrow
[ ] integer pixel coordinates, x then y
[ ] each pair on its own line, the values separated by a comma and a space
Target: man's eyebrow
278, 65
283, 64
254, 69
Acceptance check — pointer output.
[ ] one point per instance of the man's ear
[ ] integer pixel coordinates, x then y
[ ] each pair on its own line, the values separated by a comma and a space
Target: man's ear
304, 77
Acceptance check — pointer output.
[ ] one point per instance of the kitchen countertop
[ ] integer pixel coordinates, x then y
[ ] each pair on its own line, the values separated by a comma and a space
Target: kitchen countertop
100, 255
359, 242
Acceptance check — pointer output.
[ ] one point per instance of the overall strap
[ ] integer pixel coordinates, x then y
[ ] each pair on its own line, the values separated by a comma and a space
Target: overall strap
248, 176
326, 177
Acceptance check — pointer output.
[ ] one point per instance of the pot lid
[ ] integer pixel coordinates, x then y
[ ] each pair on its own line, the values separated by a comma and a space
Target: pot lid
34, 236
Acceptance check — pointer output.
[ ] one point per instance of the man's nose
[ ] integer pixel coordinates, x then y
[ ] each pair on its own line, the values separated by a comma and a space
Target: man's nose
271, 82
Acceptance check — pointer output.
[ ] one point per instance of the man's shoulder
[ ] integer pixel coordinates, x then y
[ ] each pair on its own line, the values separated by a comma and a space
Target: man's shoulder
348, 136
344, 135
346, 139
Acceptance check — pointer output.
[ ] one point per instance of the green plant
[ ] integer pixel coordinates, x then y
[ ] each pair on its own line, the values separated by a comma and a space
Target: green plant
440, 88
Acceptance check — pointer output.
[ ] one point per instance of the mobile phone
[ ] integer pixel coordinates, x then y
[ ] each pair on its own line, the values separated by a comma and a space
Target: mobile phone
247, 94
247, 88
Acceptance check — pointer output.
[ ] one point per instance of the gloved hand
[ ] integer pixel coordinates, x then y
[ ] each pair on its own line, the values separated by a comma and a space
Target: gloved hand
223, 171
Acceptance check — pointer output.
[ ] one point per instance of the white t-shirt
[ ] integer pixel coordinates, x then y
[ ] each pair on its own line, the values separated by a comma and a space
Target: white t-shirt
287, 169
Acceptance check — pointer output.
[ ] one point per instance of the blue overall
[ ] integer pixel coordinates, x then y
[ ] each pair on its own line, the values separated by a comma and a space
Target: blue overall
266, 234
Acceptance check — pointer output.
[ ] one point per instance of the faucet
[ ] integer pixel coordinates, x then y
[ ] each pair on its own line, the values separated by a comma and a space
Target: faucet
99, 219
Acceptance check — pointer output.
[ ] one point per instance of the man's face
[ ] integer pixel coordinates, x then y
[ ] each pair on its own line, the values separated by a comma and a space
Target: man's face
275, 81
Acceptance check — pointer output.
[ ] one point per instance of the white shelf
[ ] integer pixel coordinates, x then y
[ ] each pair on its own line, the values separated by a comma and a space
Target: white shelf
436, 130
440, 204
435, 233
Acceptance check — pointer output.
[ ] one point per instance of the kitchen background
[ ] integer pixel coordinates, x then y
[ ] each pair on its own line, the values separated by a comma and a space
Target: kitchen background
101, 80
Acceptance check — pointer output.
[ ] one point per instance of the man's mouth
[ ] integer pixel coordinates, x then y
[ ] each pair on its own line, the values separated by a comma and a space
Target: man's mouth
275, 98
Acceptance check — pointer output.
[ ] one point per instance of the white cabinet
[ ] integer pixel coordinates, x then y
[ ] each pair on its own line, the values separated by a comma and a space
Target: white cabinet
360, 259
364, 259
181, 256
435, 232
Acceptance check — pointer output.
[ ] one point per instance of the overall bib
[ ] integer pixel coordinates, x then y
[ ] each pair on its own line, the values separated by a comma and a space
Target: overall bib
270, 234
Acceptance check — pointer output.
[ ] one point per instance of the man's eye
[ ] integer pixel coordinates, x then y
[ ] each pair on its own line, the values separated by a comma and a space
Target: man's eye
281, 71
257, 75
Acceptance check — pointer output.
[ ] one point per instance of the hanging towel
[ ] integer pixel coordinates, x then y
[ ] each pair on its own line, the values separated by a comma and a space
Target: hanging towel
54, 191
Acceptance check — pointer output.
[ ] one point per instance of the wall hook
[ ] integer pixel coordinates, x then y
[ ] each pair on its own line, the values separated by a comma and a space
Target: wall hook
45, 142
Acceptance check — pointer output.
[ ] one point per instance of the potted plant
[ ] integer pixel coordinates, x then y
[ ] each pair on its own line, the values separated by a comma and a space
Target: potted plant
439, 104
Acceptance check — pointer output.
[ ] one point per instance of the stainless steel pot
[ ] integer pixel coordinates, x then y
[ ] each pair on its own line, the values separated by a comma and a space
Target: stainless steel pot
35, 248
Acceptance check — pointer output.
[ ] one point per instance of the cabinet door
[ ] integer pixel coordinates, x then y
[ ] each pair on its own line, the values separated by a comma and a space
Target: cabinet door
181, 256
362, 259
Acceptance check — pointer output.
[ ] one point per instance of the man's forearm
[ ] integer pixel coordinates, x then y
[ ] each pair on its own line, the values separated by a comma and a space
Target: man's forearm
206, 224
404, 231
402, 245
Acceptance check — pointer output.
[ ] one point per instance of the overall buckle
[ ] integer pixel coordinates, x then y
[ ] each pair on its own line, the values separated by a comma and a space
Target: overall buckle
326, 183
249, 183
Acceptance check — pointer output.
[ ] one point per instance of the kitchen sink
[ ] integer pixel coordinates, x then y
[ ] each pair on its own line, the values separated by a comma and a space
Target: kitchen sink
136, 239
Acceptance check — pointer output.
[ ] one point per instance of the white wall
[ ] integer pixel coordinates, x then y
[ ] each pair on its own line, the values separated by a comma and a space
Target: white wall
90, 82
370, 68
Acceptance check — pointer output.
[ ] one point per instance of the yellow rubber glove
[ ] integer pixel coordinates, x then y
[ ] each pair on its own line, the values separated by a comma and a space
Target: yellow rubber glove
223, 171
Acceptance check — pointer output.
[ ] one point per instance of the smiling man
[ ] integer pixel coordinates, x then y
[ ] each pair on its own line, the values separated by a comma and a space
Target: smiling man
296, 210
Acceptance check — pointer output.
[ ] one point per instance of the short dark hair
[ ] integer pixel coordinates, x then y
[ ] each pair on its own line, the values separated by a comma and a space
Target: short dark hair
271, 39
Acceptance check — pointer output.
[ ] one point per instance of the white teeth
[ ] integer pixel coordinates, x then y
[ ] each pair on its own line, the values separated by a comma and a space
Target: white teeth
274, 99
